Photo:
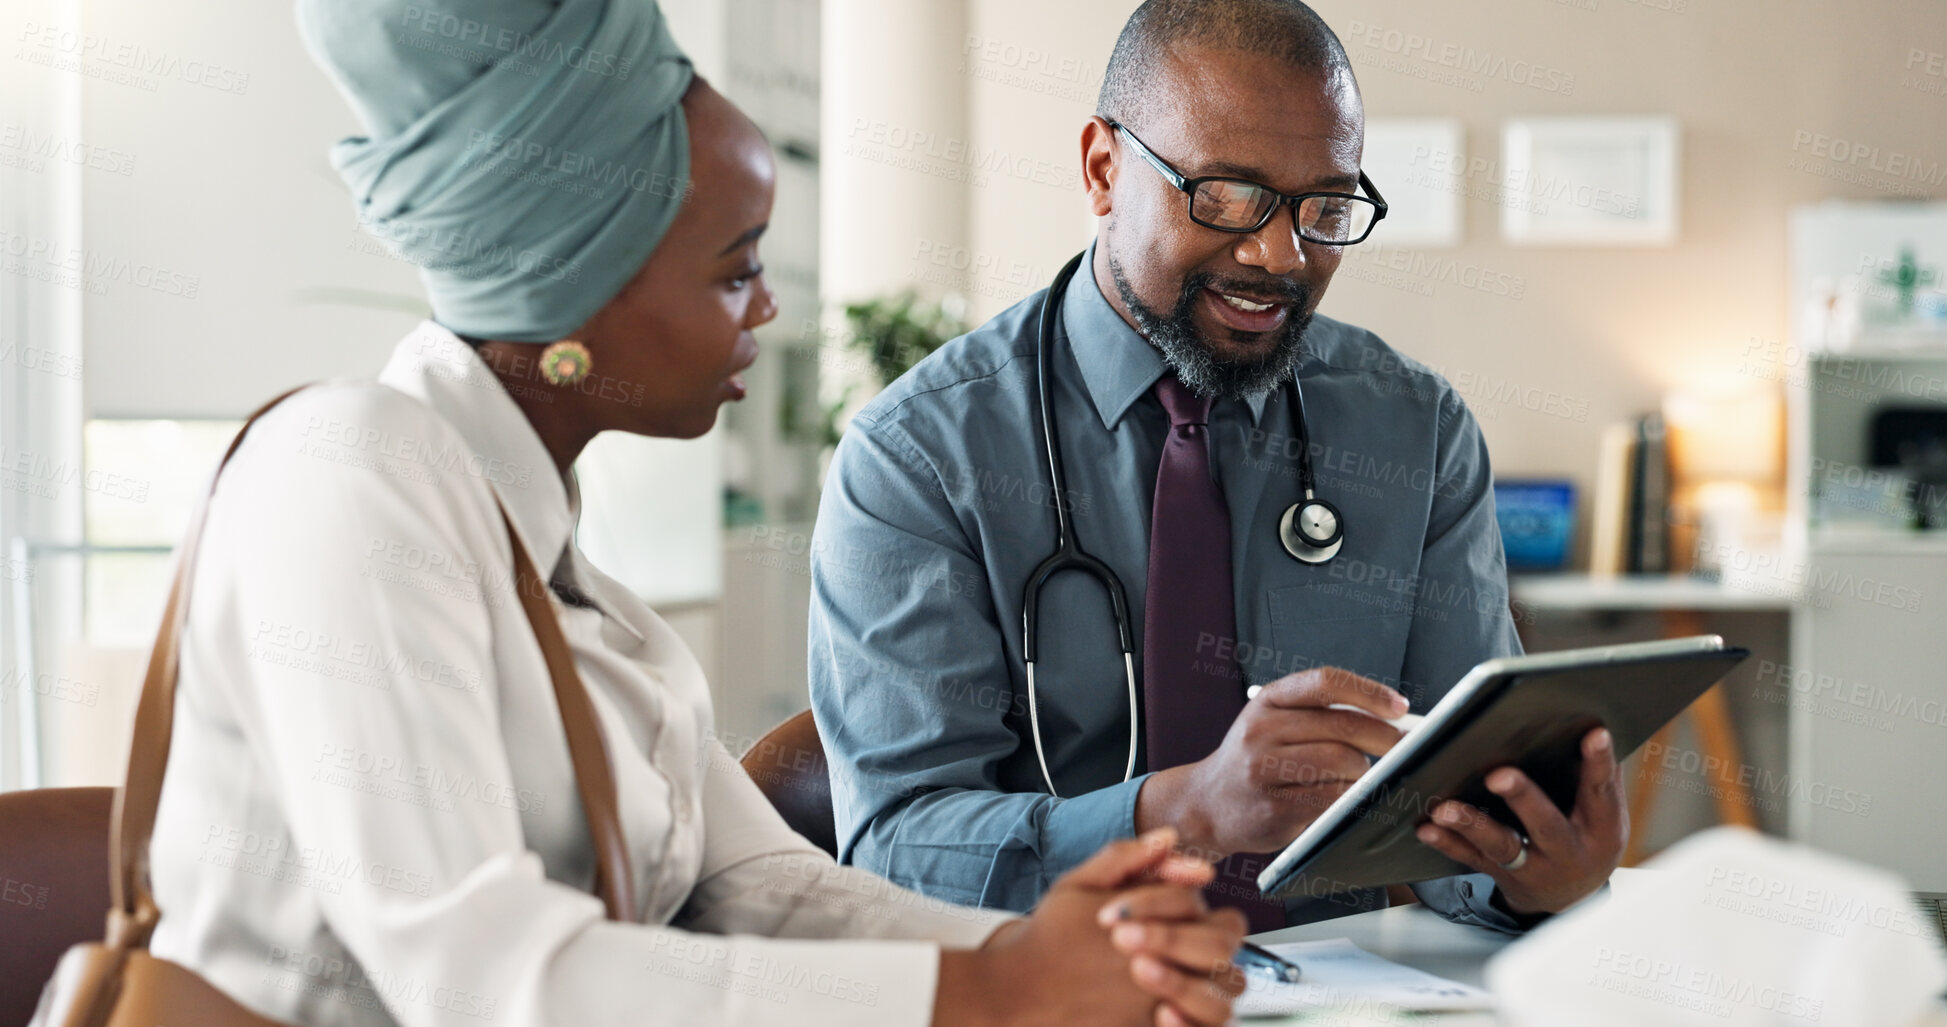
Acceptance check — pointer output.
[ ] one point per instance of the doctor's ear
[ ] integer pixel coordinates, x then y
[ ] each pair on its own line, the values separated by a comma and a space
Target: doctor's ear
1099, 165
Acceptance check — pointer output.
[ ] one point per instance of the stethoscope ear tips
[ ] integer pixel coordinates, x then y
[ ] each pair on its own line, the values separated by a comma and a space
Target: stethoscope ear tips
1312, 531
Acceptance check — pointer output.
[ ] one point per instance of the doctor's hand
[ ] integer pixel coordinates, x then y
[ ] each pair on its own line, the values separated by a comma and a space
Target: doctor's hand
1286, 758
1122, 939
1565, 858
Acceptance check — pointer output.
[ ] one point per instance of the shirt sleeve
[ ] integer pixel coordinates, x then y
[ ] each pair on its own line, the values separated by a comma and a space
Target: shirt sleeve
1462, 617
913, 696
451, 918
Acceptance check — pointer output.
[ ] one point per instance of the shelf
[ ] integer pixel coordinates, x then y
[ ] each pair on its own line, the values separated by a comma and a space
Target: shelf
1583, 592
1833, 539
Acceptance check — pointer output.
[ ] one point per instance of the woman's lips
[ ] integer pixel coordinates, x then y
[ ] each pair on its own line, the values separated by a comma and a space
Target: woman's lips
1242, 319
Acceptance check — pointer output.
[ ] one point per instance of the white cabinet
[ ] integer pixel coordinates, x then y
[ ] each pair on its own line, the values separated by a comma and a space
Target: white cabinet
1868, 695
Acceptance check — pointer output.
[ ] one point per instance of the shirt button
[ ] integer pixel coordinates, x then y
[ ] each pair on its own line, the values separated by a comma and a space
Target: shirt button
682, 809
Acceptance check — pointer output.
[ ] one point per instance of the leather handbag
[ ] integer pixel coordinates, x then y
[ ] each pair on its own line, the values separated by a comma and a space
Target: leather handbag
116, 982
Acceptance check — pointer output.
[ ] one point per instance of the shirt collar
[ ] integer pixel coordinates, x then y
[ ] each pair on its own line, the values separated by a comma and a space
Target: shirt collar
1118, 365
440, 370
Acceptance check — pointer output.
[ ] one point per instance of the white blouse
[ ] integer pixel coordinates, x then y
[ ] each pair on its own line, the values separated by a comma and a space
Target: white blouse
369, 815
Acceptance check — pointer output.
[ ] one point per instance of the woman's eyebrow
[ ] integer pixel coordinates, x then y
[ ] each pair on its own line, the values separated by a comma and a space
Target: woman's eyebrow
744, 240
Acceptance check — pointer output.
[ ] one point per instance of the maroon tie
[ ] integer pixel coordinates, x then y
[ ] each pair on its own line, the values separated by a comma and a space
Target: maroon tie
1192, 687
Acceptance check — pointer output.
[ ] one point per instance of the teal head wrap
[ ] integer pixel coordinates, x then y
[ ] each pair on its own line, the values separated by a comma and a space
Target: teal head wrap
527, 155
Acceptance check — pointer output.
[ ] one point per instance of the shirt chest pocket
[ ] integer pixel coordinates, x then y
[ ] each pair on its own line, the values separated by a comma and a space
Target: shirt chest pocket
1361, 627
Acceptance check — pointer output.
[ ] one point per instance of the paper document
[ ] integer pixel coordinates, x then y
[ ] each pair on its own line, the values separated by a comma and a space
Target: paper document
1342, 976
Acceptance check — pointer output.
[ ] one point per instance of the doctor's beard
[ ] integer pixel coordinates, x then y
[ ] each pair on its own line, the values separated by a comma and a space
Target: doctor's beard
1196, 362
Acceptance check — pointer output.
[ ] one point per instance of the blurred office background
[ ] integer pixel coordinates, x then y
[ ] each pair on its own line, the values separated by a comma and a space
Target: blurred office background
1684, 259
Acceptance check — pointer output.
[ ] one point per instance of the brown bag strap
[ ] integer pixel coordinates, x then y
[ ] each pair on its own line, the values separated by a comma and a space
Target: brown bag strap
135, 913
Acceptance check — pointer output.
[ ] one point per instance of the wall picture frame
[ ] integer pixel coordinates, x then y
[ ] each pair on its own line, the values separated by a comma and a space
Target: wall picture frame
1418, 164
1590, 181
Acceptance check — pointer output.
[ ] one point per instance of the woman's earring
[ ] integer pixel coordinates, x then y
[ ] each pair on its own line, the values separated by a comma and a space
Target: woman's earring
566, 362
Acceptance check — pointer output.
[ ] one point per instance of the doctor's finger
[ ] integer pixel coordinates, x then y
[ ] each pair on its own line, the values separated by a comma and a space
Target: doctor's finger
1323, 686
1309, 764
1544, 822
1302, 724
1491, 838
1599, 801
1457, 848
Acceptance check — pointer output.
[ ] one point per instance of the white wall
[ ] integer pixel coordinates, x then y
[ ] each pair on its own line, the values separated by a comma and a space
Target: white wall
1607, 331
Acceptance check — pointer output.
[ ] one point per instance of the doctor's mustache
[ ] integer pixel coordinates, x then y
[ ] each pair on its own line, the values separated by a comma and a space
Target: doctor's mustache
1277, 290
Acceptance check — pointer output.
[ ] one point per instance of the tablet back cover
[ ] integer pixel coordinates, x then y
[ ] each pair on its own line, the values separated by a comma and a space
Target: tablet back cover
1532, 720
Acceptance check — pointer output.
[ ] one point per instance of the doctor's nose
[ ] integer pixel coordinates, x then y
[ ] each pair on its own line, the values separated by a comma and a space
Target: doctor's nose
1275, 247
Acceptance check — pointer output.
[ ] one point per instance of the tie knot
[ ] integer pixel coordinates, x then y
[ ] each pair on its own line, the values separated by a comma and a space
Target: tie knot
1184, 406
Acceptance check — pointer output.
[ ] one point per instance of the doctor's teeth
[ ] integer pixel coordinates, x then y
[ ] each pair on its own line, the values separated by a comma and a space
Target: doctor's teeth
1244, 304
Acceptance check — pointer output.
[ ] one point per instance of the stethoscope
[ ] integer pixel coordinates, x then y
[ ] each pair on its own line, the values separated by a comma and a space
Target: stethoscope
1311, 530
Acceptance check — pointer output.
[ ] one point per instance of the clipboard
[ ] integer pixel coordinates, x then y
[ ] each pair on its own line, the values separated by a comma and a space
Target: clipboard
1525, 711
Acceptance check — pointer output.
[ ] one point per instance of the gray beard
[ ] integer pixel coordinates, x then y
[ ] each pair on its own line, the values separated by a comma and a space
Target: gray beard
1195, 362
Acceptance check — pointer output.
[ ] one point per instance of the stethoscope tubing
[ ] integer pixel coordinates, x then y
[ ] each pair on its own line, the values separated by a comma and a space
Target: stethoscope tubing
1069, 555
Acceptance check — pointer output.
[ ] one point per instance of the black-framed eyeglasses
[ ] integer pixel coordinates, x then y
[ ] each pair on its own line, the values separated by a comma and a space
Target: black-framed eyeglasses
1243, 206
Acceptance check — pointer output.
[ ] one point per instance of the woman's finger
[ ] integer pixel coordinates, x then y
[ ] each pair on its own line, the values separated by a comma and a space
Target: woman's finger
1120, 863
1192, 947
1153, 902
1200, 998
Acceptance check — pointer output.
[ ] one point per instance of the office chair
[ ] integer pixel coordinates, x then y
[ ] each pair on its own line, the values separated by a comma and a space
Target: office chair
54, 888
789, 766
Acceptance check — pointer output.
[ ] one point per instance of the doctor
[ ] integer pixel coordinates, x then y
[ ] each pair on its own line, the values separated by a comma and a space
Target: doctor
977, 761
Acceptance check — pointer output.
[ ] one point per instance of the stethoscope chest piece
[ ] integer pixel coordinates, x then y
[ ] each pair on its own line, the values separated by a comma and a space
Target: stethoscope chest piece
1311, 530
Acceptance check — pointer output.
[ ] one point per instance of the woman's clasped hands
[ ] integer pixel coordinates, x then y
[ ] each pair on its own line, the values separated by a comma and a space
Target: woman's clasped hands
1124, 938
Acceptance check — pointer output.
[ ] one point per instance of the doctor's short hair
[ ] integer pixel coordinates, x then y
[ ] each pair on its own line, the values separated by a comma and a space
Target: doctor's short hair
1286, 30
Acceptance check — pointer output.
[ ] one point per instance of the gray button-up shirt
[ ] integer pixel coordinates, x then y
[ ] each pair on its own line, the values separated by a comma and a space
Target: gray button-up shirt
938, 506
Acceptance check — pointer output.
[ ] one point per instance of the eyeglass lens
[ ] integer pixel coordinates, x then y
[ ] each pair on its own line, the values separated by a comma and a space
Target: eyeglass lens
1236, 204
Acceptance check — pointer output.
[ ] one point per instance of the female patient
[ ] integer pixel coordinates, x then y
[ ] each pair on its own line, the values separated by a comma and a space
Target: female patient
370, 817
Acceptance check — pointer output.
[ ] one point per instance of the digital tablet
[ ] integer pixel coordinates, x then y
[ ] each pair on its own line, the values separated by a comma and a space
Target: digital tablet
1524, 711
